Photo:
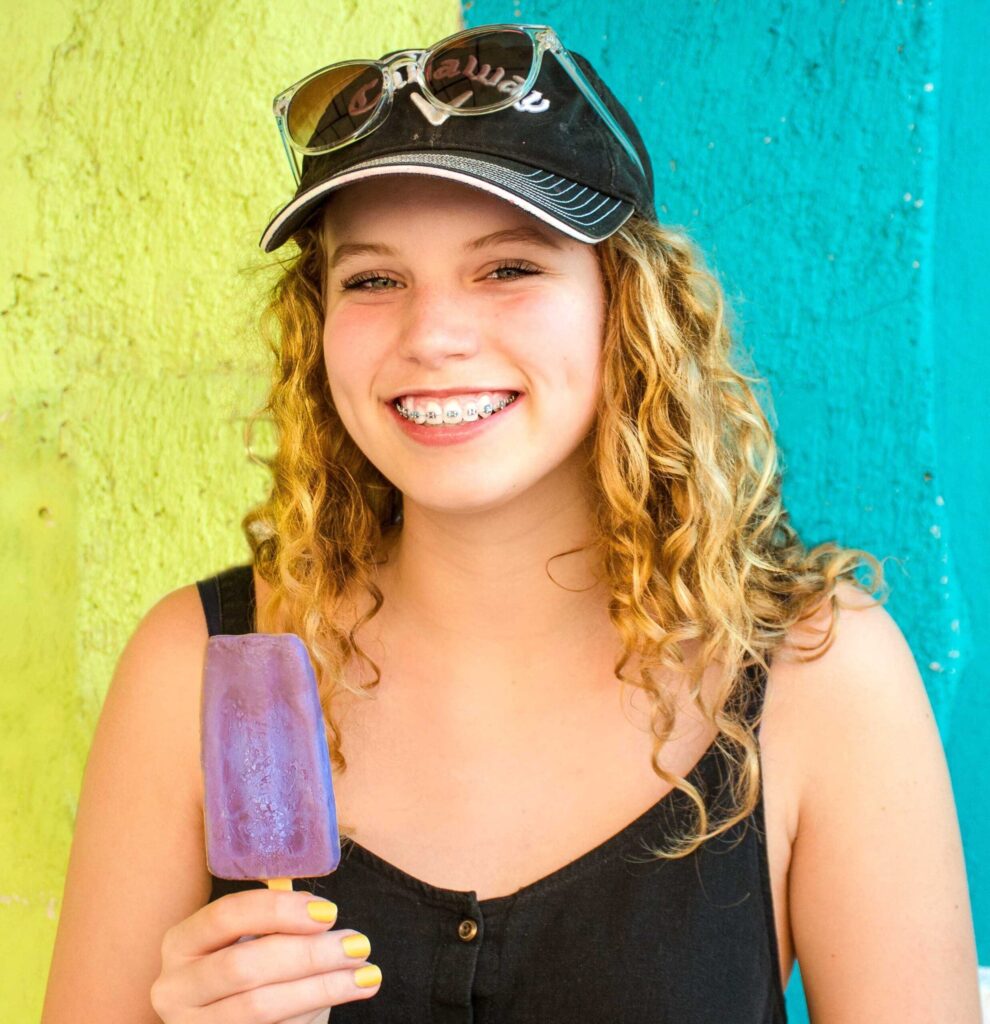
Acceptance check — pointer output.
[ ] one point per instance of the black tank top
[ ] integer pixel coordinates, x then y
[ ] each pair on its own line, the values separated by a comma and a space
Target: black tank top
610, 938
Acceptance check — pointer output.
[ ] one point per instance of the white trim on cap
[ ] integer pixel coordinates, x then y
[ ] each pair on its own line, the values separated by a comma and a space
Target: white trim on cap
432, 171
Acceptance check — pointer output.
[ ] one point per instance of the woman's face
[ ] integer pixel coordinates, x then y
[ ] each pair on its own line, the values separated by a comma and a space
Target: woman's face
438, 295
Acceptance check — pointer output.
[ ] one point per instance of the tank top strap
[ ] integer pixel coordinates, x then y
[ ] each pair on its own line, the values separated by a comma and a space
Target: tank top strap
228, 601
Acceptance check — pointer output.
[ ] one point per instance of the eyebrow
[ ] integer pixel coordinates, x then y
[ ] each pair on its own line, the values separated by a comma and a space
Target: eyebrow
523, 233
350, 249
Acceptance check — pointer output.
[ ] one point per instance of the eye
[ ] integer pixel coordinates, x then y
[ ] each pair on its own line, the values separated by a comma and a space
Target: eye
516, 269
368, 281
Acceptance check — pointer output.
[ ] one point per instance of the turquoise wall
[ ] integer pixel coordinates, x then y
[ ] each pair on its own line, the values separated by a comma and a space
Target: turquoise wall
831, 159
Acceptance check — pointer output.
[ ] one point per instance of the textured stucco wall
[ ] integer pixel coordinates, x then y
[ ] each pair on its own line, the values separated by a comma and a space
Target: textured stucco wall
140, 163
831, 158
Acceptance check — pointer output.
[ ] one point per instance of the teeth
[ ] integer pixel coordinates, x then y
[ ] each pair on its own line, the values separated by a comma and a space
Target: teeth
450, 411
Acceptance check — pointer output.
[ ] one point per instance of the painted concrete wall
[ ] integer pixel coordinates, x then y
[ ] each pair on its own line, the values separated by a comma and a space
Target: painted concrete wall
832, 160
828, 157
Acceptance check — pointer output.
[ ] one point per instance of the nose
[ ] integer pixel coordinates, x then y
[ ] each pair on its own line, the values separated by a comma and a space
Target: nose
437, 326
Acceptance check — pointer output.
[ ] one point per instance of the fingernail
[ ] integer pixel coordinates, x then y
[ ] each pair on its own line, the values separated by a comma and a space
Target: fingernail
356, 946
322, 910
365, 977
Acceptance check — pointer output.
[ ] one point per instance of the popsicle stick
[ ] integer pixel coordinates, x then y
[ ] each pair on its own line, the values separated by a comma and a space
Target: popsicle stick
283, 884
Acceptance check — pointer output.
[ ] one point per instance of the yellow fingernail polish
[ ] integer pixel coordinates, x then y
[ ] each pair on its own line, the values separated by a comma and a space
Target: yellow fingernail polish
322, 910
365, 977
356, 945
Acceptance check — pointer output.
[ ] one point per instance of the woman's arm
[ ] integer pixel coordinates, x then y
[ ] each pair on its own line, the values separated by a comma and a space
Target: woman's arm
137, 862
880, 910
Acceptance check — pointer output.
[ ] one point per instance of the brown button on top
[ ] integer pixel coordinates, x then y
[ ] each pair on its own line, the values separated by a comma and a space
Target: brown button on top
467, 929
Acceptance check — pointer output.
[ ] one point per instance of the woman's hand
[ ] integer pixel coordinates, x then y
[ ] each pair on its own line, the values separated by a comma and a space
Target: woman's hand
293, 972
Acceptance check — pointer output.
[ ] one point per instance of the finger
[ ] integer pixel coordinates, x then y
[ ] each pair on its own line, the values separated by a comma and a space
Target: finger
279, 1003
269, 960
250, 912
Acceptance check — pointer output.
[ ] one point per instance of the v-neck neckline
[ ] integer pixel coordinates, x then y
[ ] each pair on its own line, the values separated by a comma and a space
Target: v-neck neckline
583, 862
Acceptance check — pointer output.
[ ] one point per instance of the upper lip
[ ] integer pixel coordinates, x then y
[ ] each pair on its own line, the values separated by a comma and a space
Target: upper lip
445, 392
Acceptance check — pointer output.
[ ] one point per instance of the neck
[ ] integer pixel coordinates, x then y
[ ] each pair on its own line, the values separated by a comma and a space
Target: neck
500, 589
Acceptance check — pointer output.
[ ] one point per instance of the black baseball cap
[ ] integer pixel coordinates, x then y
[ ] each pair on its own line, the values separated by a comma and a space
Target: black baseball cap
550, 154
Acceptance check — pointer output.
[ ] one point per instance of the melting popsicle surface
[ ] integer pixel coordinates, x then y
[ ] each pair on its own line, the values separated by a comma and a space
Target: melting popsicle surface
269, 808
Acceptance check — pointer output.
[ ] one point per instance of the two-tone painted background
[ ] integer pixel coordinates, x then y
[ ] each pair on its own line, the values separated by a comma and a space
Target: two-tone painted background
830, 157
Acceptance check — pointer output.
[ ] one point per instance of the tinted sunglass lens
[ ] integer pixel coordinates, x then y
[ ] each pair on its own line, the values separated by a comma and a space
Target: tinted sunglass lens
481, 71
334, 106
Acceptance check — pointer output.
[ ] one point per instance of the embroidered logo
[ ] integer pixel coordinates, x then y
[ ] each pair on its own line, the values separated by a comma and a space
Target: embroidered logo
434, 116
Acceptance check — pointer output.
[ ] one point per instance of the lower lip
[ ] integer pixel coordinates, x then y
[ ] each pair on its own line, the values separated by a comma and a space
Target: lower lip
441, 436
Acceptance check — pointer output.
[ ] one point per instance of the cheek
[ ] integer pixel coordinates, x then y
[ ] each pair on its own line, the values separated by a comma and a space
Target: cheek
570, 336
576, 311
348, 362
580, 340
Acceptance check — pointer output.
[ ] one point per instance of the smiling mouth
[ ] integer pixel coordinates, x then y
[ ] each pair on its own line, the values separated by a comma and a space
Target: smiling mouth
439, 412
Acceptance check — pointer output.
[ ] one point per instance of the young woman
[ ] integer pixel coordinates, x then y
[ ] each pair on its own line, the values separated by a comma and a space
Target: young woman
610, 743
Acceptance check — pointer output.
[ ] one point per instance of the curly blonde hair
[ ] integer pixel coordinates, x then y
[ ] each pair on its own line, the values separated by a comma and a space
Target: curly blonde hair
694, 538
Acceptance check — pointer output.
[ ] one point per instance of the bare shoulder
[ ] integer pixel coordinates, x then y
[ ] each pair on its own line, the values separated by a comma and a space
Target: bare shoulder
172, 633
865, 675
137, 864
156, 686
877, 887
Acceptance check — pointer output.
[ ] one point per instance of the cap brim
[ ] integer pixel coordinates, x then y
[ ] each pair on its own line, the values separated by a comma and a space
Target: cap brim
572, 208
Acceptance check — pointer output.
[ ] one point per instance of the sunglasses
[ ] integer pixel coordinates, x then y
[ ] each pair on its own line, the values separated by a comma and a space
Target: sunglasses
479, 71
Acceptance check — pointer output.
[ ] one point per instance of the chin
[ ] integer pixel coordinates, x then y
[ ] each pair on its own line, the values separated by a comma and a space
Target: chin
463, 490
459, 500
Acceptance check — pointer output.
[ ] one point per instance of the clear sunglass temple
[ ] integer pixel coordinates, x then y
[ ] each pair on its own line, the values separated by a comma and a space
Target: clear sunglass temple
280, 108
289, 154
548, 42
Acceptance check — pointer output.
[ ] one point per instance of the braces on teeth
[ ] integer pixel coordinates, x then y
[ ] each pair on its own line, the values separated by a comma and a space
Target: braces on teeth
451, 412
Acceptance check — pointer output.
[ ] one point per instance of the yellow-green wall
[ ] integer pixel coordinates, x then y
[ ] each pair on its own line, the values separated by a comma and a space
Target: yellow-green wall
139, 164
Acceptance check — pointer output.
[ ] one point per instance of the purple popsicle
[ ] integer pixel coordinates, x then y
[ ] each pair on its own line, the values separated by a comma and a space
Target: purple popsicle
268, 804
